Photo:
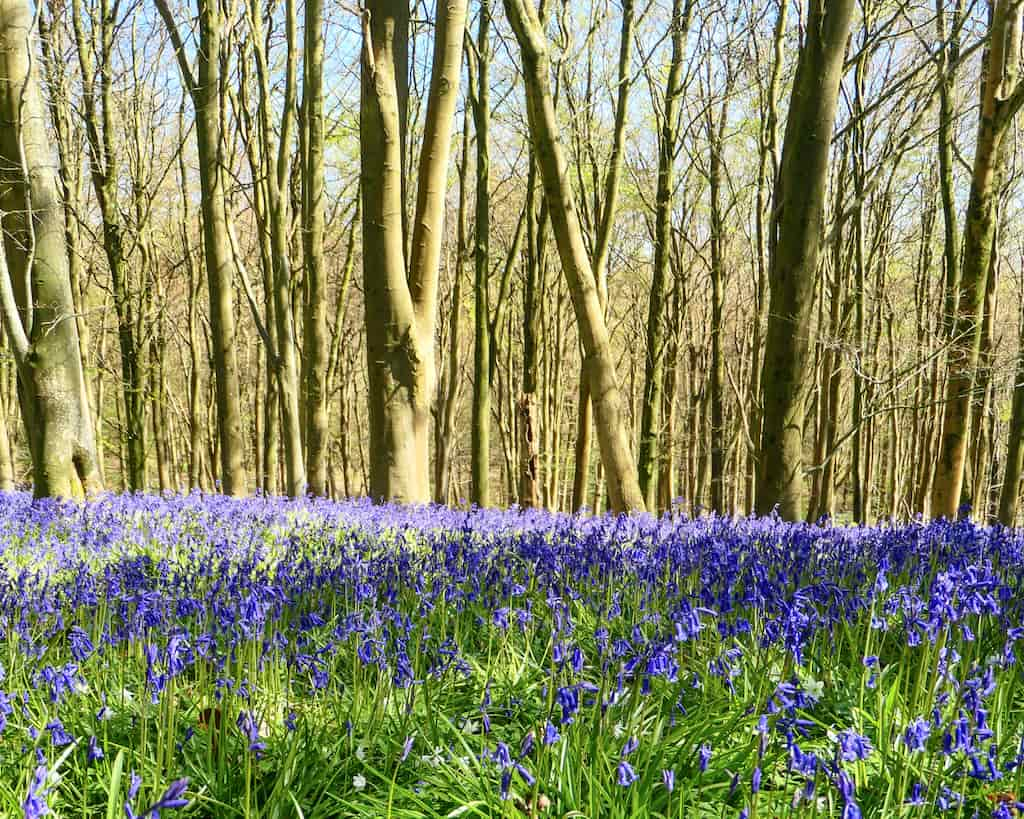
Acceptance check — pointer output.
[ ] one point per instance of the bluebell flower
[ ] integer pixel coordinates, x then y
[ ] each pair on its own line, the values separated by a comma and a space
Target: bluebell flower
704, 755
35, 805
626, 776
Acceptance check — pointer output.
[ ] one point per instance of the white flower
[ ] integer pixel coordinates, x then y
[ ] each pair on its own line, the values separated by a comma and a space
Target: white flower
360, 753
814, 689
434, 760
358, 782
471, 727
619, 731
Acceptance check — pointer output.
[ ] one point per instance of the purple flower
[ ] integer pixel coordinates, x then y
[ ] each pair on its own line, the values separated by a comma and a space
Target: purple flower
551, 735
247, 725
35, 803
915, 737
626, 776
704, 754
854, 746
94, 753
58, 736
172, 798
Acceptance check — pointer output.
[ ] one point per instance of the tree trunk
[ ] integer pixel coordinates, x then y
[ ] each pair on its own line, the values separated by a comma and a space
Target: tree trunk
35, 285
650, 415
314, 347
796, 227
623, 488
401, 294
205, 87
479, 95
1002, 96
529, 422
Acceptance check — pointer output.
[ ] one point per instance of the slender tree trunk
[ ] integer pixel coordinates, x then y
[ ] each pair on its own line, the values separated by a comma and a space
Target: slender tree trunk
529, 422
650, 416
314, 348
480, 445
623, 488
205, 87
716, 382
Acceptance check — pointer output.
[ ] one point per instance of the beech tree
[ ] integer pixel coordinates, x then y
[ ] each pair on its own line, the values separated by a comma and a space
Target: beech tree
400, 291
35, 286
795, 236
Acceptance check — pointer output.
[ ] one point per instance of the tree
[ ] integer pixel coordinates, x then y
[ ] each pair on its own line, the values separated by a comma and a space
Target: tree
795, 231
35, 286
1002, 95
623, 487
400, 292
205, 87
314, 348
654, 377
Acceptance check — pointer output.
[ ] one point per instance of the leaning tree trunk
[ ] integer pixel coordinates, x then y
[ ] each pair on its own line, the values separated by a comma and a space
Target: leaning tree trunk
35, 284
620, 468
400, 294
796, 231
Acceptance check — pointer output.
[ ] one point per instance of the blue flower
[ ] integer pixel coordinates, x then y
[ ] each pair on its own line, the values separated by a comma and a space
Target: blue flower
626, 776
35, 805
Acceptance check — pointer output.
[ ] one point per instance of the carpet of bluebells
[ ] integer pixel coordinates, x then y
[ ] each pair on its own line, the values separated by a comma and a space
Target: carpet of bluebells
202, 656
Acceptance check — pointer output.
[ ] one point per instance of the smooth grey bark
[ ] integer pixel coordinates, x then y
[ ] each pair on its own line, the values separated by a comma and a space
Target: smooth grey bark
35, 285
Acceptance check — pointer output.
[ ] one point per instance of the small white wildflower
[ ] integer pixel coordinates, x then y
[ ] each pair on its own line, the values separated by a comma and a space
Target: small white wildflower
360, 753
358, 782
619, 731
471, 727
814, 688
434, 760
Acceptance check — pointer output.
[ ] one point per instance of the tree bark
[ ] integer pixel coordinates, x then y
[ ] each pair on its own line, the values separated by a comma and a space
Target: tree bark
799, 200
401, 294
650, 415
1001, 97
623, 488
205, 87
35, 285
314, 348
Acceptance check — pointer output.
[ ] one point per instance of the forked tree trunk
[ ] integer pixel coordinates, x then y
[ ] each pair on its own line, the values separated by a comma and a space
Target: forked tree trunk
796, 231
400, 293
35, 285
623, 488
